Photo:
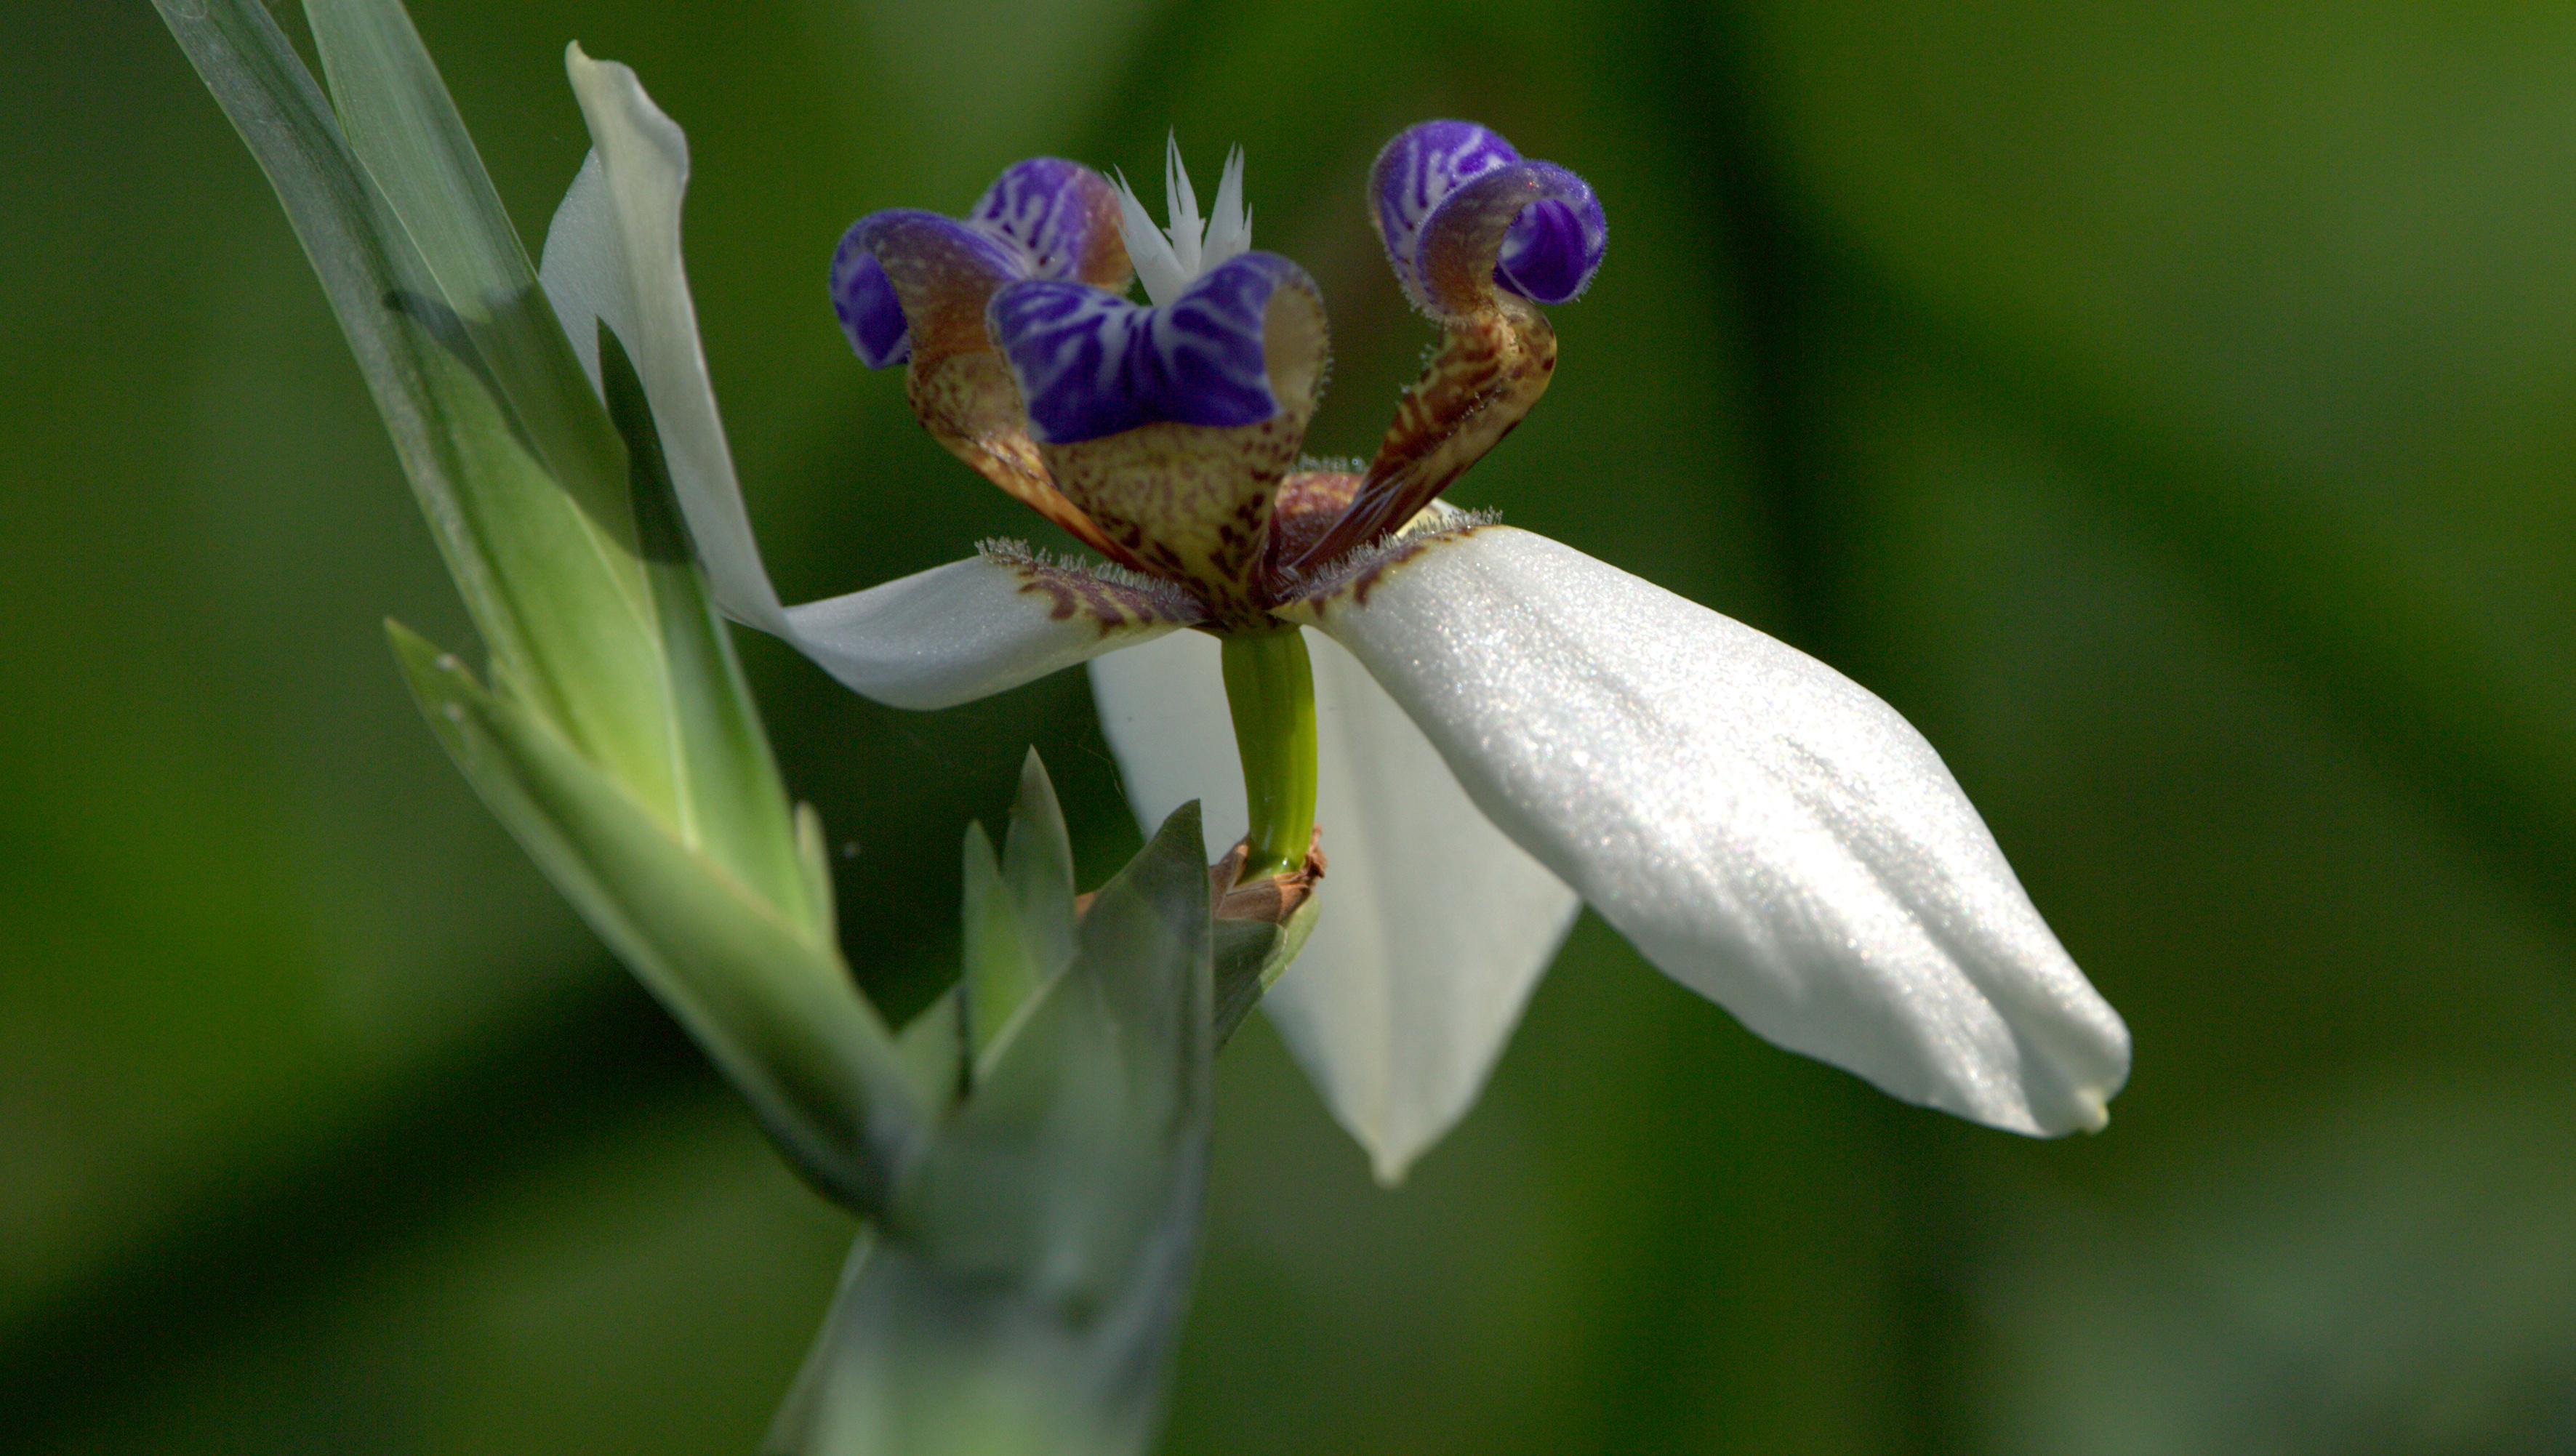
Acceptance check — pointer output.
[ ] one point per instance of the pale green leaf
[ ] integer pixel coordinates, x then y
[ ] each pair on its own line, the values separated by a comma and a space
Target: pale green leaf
934, 1050
730, 802
1250, 955
405, 132
1024, 1294
563, 612
1037, 865
1019, 911
770, 1001
1001, 971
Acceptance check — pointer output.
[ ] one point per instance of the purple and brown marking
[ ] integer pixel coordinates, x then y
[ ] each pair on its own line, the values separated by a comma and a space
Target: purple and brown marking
911, 287
1163, 436
1172, 427
1478, 236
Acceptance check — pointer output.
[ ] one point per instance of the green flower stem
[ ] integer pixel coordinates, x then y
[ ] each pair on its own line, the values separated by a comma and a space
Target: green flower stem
1271, 687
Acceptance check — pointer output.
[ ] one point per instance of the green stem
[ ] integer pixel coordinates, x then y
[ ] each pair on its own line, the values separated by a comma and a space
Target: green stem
1271, 687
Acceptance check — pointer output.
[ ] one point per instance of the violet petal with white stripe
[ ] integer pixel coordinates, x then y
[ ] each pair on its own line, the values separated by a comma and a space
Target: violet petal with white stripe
1430, 190
1418, 170
1058, 212
863, 298
1090, 363
1042, 218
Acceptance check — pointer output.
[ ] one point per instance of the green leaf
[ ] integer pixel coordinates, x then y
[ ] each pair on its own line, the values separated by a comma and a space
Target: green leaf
1001, 971
934, 1050
430, 183
620, 742
560, 600
1024, 1294
767, 996
404, 130
1019, 911
1037, 867
730, 802
1250, 955
587, 660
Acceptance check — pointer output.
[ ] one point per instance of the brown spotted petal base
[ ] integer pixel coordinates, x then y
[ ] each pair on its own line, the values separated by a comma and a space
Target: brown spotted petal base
1163, 436
1171, 427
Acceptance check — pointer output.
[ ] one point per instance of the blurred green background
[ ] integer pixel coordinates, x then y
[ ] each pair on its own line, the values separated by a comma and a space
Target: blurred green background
2170, 407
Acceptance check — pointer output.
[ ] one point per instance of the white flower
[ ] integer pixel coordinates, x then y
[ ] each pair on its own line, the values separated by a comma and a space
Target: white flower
1507, 724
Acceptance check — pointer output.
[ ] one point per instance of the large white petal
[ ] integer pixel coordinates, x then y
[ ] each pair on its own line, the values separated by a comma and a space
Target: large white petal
613, 254
959, 632
1434, 926
1761, 827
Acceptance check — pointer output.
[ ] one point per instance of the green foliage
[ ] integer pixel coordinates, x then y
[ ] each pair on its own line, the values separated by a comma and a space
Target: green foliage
1024, 1291
521, 480
1019, 917
769, 1000
619, 742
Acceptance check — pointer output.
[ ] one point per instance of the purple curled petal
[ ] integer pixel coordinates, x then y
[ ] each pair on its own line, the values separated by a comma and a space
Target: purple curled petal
1069, 347
1434, 190
1417, 171
1465, 248
901, 271
904, 234
1556, 243
1089, 363
863, 298
1049, 208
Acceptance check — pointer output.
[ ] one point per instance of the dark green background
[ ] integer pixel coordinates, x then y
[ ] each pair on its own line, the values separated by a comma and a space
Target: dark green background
2171, 407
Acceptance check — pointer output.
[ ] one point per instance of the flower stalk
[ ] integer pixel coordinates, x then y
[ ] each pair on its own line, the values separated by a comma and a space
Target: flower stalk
1270, 686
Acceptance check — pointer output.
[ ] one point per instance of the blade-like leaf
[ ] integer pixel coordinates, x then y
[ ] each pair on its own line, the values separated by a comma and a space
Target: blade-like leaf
1024, 1296
1250, 955
1037, 865
404, 130
1019, 912
558, 611
769, 1000
935, 1053
1001, 971
730, 801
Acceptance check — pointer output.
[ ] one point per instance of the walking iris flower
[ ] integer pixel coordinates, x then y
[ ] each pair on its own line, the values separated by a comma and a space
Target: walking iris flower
1507, 727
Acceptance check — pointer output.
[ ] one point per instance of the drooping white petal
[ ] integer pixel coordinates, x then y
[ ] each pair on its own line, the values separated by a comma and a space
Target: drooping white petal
966, 630
1764, 830
1434, 926
613, 255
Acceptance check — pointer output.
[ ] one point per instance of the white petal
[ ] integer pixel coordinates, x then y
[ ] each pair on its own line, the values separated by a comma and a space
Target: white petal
959, 632
1762, 828
1434, 926
613, 253
1182, 202
1229, 230
1149, 249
